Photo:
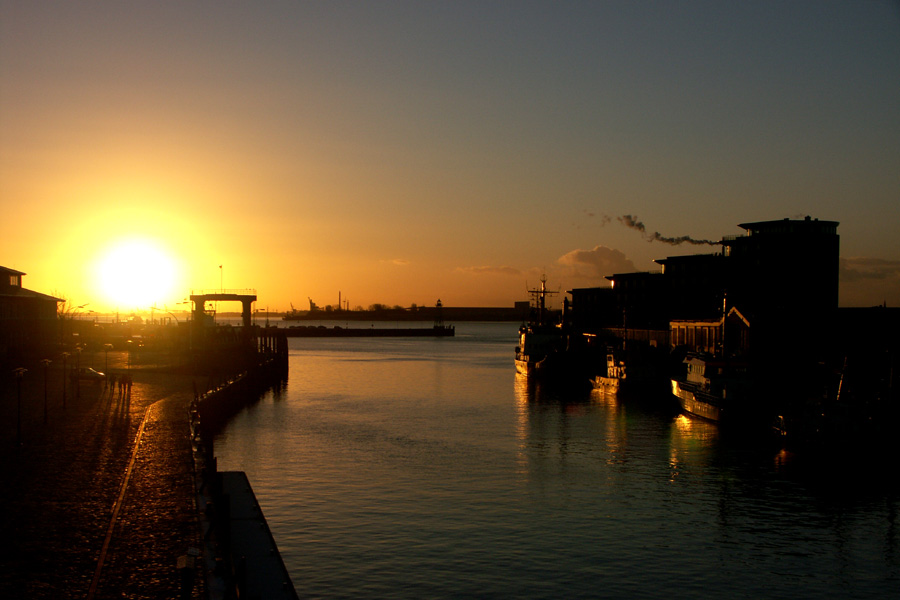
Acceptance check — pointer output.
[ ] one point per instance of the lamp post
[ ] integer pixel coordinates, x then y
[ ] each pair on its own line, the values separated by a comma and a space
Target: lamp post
77, 369
46, 363
107, 348
65, 356
20, 373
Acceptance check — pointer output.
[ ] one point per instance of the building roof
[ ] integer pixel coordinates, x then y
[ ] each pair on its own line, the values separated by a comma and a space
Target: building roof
14, 291
790, 226
635, 275
707, 257
11, 271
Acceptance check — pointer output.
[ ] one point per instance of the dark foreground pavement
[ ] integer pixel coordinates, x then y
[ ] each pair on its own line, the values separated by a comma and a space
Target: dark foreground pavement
62, 484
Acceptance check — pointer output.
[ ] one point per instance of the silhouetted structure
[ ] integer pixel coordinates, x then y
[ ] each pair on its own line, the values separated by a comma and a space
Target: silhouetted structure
784, 268
694, 285
782, 277
28, 320
771, 294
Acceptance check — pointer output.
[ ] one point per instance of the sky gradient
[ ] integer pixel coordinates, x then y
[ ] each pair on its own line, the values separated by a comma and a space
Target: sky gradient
401, 152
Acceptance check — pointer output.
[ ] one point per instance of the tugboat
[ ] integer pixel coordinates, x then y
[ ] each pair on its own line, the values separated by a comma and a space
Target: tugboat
638, 372
615, 374
542, 344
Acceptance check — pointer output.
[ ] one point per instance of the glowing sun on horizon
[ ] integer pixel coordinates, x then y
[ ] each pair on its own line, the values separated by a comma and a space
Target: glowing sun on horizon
136, 273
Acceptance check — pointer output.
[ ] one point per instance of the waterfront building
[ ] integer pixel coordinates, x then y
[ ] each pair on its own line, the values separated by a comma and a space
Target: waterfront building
28, 319
782, 276
784, 268
695, 285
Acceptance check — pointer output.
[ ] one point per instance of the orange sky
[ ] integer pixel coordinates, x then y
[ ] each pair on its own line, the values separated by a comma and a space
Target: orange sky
400, 153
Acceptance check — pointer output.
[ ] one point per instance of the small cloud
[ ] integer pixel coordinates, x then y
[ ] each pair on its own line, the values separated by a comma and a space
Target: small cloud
866, 269
486, 270
597, 263
399, 262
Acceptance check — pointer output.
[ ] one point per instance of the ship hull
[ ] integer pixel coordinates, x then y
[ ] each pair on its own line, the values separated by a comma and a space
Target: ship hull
532, 367
697, 403
607, 385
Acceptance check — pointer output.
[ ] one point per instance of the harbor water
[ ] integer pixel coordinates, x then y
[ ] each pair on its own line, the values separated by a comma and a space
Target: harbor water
426, 468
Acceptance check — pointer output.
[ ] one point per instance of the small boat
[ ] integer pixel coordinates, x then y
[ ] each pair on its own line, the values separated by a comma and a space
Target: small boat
715, 389
615, 375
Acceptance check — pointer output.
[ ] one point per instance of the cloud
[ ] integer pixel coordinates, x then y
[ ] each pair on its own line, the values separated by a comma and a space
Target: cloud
861, 269
632, 222
397, 262
596, 263
486, 270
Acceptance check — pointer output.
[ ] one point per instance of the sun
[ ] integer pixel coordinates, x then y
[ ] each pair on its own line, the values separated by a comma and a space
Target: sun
137, 274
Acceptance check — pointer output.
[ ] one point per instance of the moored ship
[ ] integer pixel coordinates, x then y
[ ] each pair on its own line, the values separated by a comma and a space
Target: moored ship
542, 344
715, 389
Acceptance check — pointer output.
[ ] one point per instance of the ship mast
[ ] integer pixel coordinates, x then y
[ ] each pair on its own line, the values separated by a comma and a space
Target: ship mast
540, 296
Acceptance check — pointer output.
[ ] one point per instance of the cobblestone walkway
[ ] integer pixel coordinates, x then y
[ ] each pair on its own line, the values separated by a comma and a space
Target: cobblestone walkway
60, 481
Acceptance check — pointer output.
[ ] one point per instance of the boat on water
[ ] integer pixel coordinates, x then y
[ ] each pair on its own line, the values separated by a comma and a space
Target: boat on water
614, 377
542, 343
715, 389
638, 371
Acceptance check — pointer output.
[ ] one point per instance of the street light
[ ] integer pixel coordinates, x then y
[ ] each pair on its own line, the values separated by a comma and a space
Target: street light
65, 356
107, 347
46, 362
77, 369
20, 373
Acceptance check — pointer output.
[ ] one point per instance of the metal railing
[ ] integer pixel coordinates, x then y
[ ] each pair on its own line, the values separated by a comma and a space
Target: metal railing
245, 292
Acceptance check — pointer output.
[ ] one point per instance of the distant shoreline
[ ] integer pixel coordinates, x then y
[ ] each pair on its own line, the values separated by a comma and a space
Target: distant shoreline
419, 314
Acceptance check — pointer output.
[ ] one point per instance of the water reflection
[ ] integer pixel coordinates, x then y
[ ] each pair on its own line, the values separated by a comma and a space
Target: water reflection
567, 434
390, 469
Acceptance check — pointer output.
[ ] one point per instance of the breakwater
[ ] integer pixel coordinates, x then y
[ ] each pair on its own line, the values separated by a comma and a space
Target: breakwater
338, 331
240, 557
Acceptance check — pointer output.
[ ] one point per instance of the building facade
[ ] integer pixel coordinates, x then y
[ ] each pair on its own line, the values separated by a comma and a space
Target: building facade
28, 319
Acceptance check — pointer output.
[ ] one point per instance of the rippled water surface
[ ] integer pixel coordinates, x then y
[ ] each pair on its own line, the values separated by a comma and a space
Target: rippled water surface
424, 468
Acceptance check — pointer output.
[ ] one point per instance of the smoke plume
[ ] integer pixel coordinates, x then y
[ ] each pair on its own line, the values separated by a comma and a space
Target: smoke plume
633, 223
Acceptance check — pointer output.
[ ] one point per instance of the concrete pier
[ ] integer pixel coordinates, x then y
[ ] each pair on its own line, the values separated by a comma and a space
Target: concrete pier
241, 558
257, 570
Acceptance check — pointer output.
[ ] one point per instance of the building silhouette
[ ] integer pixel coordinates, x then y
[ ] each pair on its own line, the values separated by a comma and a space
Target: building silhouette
784, 268
775, 286
28, 319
